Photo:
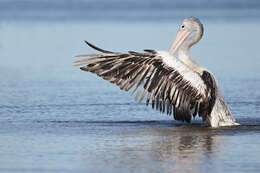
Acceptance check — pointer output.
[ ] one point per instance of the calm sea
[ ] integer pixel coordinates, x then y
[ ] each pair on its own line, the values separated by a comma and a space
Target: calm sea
56, 118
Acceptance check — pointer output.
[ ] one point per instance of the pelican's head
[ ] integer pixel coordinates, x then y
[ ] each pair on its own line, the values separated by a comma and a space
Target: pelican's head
190, 28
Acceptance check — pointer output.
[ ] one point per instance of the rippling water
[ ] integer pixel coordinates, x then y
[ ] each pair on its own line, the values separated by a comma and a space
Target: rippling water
56, 118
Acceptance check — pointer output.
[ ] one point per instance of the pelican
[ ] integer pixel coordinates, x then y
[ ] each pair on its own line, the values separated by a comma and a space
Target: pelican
175, 85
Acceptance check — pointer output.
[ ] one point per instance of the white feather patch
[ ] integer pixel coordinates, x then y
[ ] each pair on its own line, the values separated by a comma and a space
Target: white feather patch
187, 73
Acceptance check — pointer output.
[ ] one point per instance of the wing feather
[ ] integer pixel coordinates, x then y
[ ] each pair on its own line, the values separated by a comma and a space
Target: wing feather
172, 86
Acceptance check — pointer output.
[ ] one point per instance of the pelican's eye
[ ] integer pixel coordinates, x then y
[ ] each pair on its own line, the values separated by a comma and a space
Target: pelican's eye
182, 26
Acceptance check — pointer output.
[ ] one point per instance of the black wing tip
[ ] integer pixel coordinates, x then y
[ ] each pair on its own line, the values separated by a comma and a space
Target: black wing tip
83, 68
150, 51
96, 48
88, 43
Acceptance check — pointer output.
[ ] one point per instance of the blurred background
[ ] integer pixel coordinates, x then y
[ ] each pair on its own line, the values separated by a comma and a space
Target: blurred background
40, 35
52, 115
128, 10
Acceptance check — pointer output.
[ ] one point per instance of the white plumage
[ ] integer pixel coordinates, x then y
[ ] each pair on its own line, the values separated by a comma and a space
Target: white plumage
188, 74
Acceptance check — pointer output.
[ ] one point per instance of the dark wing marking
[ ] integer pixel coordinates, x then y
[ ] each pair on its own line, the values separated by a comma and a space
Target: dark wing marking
97, 48
168, 89
209, 81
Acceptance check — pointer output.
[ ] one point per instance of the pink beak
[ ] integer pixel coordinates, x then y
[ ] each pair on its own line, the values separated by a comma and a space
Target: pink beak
180, 37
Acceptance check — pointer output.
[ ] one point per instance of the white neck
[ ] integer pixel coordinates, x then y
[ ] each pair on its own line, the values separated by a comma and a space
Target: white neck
184, 56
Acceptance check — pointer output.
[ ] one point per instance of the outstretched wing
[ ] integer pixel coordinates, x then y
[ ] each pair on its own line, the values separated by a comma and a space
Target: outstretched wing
158, 76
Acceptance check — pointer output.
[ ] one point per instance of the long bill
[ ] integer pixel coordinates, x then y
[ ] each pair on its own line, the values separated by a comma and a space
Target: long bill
179, 39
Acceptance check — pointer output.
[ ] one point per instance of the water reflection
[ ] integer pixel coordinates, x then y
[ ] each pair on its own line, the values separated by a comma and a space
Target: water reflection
186, 150
181, 149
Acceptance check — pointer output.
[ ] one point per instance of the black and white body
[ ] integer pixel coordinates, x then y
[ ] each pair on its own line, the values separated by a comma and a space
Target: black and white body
175, 85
